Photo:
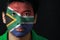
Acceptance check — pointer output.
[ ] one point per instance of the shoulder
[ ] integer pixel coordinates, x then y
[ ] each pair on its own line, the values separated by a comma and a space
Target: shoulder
4, 36
37, 37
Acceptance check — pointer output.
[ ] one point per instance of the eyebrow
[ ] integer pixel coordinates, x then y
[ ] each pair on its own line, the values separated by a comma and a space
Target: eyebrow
27, 11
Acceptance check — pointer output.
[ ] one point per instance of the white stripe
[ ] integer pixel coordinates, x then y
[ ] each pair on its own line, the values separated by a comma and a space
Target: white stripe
18, 13
28, 16
10, 8
14, 27
14, 11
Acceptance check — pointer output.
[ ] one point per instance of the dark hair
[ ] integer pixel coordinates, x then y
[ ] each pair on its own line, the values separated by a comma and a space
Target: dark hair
3, 5
34, 3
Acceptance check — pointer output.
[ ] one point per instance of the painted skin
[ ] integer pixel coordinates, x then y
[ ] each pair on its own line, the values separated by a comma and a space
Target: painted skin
24, 9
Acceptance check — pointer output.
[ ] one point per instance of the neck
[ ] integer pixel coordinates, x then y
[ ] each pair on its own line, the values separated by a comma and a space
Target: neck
12, 37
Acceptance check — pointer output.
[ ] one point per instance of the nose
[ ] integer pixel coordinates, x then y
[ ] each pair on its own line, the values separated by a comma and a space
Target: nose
19, 20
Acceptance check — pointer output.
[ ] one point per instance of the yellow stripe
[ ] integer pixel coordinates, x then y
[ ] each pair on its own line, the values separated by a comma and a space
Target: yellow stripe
11, 18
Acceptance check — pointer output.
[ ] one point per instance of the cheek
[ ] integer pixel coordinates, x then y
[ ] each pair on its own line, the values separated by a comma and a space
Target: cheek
32, 14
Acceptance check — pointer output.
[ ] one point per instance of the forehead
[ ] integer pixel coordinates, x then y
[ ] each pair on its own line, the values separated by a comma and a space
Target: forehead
20, 6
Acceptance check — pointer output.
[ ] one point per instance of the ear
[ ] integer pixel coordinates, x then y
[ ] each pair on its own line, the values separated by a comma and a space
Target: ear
3, 17
35, 19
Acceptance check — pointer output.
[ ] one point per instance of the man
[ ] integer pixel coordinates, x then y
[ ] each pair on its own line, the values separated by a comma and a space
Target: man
19, 19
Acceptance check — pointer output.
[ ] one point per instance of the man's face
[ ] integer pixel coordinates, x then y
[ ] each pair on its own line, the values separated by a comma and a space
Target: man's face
19, 18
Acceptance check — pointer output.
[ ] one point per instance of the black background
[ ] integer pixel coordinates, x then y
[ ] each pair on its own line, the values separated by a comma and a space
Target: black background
48, 19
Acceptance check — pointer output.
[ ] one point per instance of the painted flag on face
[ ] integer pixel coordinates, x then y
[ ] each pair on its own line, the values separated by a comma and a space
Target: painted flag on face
14, 19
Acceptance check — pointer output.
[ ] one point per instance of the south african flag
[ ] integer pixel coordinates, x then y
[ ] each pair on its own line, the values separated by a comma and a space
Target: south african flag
14, 19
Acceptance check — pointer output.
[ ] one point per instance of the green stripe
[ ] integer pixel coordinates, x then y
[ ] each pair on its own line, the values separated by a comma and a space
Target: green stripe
27, 19
9, 11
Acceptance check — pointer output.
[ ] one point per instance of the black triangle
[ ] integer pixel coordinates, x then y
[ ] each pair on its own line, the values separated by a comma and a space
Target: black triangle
8, 19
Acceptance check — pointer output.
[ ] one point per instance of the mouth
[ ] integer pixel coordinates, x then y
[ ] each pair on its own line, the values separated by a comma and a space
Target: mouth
19, 29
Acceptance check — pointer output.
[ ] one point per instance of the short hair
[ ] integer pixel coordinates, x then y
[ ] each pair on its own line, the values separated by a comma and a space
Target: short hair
34, 3
3, 5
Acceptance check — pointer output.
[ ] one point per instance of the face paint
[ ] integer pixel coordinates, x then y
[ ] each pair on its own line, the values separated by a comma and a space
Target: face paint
18, 25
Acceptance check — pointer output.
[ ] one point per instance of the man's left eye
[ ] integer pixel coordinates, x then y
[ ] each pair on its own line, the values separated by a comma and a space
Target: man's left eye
26, 14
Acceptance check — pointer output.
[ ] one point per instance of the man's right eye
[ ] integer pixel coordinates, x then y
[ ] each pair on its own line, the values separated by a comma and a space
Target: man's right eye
13, 14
